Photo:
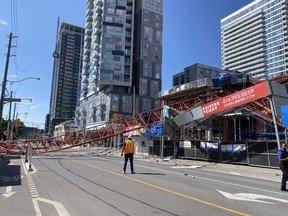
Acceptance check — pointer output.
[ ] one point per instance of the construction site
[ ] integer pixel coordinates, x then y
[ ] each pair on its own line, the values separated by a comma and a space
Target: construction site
228, 119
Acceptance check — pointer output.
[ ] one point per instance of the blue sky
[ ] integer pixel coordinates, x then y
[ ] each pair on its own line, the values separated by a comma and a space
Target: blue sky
191, 35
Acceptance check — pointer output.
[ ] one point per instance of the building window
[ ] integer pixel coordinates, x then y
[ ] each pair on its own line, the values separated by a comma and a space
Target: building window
117, 67
115, 103
146, 104
120, 12
110, 11
127, 104
118, 47
116, 58
157, 71
148, 34
143, 86
154, 88
182, 79
147, 69
158, 37
108, 19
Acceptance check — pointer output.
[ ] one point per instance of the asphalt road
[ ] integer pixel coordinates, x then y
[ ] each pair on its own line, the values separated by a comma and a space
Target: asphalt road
89, 182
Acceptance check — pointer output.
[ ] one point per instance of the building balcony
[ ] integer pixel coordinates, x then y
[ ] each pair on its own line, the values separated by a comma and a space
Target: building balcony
85, 72
247, 67
94, 80
97, 17
88, 32
96, 64
89, 13
97, 40
99, 3
247, 22
128, 26
85, 80
86, 58
242, 36
88, 19
87, 51
84, 89
129, 9
232, 53
98, 24
129, 2
97, 32
87, 39
127, 62
97, 47
242, 55
258, 39
127, 43
99, 10
129, 18
87, 45
250, 58
89, 5
94, 73
88, 25
128, 34
128, 52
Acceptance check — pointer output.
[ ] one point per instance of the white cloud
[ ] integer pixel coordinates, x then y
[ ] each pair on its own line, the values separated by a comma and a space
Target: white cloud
3, 22
37, 106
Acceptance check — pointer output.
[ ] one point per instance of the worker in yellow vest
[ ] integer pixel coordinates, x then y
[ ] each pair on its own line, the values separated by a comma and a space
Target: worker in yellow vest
128, 151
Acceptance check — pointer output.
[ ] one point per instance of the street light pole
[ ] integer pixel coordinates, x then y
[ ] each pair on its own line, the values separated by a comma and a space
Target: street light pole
11, 99
9, 119
16, 81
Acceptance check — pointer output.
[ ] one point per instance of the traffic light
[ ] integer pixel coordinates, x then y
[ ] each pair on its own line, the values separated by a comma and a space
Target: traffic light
115, 117
18, 122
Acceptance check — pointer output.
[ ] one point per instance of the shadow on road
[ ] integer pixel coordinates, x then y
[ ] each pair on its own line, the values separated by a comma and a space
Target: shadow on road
10, 175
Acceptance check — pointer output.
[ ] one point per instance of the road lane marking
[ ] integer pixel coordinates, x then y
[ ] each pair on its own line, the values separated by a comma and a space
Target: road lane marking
35, 196
234, 173
57, 205
209, 179
165, 189
8, 192
250, 197
238, 185
185, 167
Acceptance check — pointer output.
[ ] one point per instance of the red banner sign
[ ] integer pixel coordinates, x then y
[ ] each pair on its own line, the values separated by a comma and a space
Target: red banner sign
236, 99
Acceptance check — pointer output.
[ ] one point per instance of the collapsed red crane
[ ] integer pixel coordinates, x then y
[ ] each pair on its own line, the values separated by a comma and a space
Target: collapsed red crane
85, 136
130, 123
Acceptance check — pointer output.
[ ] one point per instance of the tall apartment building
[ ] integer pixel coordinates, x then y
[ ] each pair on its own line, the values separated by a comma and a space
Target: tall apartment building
66, 74
122, 63
254, 39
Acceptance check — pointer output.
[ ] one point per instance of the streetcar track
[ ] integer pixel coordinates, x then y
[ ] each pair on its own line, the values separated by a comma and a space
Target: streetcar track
100, 185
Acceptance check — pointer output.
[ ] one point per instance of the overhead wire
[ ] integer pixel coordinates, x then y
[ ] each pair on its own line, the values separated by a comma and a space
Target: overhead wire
14, 23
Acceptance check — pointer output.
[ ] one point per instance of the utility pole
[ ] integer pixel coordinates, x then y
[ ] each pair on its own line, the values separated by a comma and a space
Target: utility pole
9, 120
5, 80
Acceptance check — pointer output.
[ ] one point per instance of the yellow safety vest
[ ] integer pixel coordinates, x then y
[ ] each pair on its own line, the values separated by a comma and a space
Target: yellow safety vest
129, 147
